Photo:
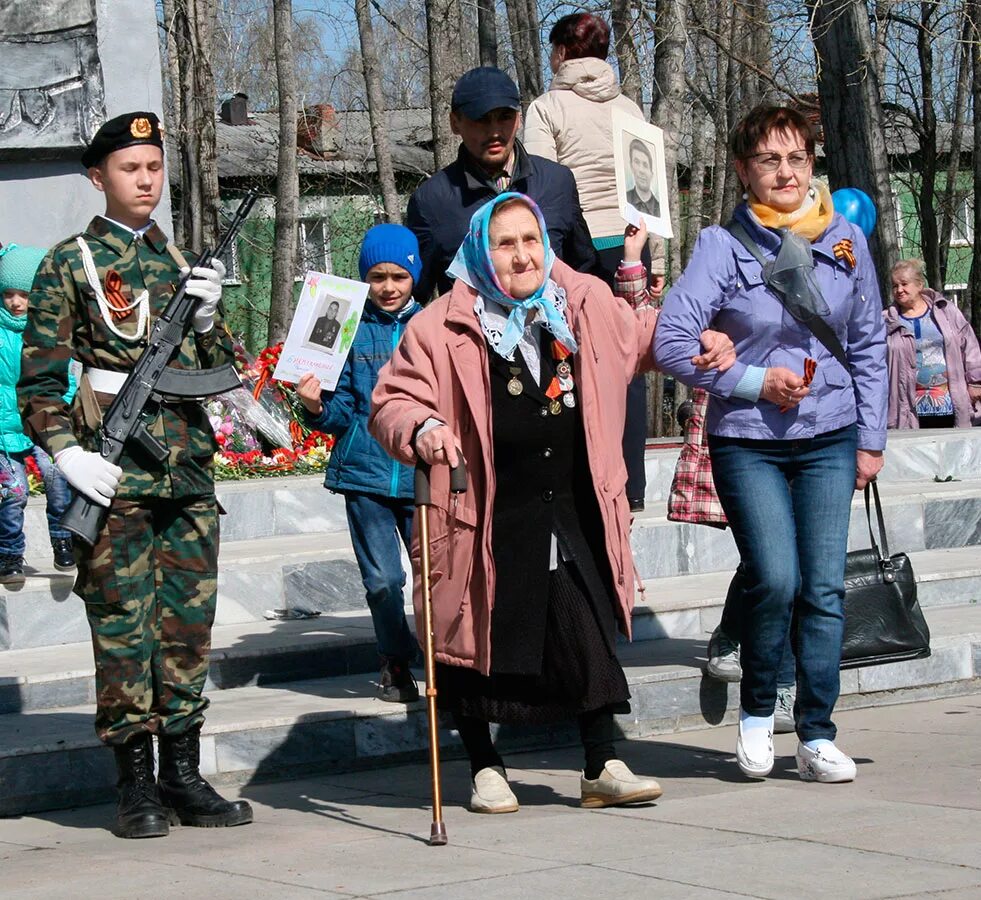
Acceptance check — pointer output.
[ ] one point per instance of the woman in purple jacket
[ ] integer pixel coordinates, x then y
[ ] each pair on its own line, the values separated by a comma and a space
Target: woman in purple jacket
934, 358
787, 451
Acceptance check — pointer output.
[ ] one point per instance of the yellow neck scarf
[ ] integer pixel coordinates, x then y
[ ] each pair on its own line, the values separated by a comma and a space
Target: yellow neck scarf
810, 221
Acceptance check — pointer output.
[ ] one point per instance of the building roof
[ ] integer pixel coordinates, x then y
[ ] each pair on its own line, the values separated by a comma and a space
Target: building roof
248, 151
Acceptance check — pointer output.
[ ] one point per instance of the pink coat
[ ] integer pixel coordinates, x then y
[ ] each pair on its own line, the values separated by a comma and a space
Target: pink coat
440, 369
963, 357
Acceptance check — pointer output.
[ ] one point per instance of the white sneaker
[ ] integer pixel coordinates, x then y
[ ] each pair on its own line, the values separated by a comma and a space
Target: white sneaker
754, 751
783, 713
827, 764
491, 793
616, 786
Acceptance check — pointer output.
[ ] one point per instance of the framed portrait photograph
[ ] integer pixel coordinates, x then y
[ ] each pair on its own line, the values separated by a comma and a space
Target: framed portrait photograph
642, 180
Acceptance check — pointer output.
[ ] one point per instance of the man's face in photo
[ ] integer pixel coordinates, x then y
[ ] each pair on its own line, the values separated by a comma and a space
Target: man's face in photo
332, 311
643, 171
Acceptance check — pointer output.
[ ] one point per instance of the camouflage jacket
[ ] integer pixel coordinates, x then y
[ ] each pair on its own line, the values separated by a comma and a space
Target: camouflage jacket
65, 320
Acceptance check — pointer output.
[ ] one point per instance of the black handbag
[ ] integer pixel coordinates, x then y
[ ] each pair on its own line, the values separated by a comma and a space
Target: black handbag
883, 620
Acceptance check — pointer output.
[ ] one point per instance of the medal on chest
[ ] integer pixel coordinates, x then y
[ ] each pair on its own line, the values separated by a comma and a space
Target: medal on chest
515, 387
561, 389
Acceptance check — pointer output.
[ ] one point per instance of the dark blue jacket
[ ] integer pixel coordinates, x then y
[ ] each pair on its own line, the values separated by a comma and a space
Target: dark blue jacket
440, 210
357, 462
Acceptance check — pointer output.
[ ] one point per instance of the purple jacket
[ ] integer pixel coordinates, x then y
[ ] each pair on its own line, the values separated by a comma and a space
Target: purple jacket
960, 350
722, 288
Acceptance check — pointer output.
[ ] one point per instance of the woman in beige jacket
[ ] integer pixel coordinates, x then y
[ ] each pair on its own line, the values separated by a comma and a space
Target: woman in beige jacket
573, 124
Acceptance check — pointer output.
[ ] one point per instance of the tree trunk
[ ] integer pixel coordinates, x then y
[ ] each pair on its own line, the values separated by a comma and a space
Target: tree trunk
526, 47
696, 182
376, 113
720, 118
974, 285
926, 195
951, 195
190, 26
667, 112
626, 51
443, 66
287, 179
851, 113
487, 32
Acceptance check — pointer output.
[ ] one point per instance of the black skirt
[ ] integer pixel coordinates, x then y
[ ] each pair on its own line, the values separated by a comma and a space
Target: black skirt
579, 673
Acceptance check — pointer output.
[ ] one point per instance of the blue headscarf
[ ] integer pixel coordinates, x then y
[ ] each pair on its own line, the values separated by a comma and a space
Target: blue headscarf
473, 265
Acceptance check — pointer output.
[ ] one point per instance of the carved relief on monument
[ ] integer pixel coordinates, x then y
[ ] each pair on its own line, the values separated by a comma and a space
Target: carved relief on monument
52, 98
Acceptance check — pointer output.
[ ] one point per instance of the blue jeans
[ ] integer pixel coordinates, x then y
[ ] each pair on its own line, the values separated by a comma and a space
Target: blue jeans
788, 503
13, 499
731, 628
377, 525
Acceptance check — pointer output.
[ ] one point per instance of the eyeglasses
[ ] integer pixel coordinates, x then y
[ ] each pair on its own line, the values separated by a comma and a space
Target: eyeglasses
770, 162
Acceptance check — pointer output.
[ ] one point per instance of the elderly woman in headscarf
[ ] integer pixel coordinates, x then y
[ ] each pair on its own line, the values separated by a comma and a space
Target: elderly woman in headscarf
794, 427
522, 370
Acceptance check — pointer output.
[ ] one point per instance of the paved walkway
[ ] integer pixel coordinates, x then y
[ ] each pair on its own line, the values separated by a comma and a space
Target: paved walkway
910, 826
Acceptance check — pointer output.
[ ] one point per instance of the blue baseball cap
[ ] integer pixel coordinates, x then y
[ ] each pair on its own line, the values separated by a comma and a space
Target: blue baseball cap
480, 90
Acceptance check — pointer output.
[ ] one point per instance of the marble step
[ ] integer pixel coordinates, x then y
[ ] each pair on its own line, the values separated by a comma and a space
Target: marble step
317, 569
342, 642
50, 759
300, 505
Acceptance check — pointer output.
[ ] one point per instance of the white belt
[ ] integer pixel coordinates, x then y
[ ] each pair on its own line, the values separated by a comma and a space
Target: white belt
105, 382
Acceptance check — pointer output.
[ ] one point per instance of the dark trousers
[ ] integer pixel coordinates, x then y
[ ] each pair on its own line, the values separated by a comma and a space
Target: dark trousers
379, 526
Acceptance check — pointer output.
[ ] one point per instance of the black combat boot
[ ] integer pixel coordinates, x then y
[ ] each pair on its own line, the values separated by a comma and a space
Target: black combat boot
185, 794
395, 681
139, 814
64, 558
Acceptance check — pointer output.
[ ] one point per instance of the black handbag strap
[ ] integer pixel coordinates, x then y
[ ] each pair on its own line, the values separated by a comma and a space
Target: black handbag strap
817, 325
872, 490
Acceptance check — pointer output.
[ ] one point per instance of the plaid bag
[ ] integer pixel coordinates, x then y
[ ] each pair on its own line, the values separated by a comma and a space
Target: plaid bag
693, 498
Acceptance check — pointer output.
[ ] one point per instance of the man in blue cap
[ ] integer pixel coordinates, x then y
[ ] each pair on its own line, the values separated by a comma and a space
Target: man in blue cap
486, 114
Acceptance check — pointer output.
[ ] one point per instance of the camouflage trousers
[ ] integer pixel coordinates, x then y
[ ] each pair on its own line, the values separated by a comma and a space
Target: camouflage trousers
150, 586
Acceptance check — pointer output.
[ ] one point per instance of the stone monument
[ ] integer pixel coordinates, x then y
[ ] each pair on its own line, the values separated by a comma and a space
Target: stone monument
65, 67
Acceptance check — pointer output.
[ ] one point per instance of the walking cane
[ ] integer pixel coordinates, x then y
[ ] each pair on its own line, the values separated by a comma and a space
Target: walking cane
458, 485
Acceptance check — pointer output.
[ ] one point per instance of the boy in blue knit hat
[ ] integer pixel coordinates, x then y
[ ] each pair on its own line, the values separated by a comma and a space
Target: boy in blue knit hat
377, 490
18, 266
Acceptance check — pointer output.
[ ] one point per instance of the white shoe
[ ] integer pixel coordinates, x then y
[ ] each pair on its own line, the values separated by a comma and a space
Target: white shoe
491, 793
616, 786
827, 764
754, 751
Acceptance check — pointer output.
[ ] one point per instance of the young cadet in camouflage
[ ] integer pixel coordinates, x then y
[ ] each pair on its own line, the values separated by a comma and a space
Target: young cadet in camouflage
150, 581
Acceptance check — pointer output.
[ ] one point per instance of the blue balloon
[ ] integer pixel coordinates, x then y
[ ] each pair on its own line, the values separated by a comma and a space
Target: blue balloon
857, 207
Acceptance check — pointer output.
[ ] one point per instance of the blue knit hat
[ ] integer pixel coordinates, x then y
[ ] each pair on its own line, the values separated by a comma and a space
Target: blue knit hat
18, 266
387, 243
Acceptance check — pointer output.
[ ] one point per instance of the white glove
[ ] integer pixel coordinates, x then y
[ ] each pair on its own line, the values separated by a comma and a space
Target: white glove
205, 284
89, 473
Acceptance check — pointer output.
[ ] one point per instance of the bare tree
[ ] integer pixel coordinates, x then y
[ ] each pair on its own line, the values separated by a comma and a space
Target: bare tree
526, 46
487, 32
189, 27
376, 113
625, 49
287, 178
444, 69
851, 112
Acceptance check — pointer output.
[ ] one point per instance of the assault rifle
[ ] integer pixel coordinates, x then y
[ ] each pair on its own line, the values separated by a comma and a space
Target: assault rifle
152, 381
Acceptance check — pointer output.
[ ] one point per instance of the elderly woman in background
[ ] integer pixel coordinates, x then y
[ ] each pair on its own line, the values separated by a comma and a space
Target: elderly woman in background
934, 358
787, 452
572, 123
522, 369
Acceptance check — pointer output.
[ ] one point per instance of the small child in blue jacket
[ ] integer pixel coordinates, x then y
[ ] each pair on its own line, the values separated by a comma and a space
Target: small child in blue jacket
377, 490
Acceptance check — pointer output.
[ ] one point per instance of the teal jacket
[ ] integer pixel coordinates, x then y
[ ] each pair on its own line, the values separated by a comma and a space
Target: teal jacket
12, 437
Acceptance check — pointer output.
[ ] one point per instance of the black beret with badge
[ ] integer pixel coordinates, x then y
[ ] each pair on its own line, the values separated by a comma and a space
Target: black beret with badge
126, 130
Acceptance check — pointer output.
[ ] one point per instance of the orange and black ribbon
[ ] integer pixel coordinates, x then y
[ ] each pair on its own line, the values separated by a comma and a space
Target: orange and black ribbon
845, 250
115, 296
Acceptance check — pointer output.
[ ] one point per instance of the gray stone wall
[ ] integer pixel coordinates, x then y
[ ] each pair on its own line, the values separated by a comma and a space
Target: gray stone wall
43, 201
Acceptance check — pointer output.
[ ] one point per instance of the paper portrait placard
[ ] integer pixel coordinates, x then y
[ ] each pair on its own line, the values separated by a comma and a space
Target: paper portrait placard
320, 336
642, 180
